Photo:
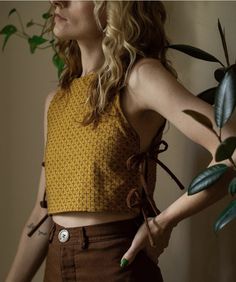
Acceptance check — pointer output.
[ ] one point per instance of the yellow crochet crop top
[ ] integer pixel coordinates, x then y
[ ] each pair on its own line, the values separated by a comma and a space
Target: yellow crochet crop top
98, 169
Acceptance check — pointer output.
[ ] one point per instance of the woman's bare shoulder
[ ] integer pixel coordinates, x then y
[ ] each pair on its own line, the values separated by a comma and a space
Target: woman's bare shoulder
48, 100
140, 84
143, 65
141, 76
50, 96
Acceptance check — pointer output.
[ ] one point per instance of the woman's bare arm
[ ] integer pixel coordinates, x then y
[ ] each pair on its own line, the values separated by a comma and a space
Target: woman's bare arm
32, 250
156, 89
169, 98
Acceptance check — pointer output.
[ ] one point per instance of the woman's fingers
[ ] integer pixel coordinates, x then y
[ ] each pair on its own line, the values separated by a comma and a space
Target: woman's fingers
138, 243
141, 241
161, 238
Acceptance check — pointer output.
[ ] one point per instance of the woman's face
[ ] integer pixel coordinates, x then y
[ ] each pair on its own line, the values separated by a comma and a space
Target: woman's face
75, 20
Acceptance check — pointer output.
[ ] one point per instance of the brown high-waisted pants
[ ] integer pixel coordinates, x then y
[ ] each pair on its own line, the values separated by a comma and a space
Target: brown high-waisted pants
92, 254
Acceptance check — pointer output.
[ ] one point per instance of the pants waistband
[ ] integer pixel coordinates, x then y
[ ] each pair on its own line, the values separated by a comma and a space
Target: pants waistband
91, 233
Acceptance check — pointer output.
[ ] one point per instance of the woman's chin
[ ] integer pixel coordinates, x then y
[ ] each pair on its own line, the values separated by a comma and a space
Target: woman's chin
60, 34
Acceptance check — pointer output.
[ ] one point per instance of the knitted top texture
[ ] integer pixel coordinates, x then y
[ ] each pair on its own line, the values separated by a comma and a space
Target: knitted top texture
85, 168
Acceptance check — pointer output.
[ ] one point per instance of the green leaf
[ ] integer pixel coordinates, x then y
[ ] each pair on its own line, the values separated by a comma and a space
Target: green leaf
30, 23
225, 149
46, 15
194, 52
34, 41
225, 98
11, 12
208, 95
226, 216
8, 30
206, 178
219, 74
200, 118
59, 63
232, 187
222, 35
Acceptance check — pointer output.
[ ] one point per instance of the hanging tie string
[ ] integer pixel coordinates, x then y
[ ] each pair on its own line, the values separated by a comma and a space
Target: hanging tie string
43, 204
143, 199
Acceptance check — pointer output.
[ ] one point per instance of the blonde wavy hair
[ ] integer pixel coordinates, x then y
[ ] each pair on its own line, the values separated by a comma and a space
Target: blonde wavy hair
136, 33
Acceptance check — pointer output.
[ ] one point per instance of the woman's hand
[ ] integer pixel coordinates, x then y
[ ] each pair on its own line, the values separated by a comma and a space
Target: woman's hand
161, 232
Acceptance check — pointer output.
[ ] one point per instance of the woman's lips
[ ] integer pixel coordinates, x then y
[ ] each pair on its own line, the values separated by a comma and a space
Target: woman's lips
59, 17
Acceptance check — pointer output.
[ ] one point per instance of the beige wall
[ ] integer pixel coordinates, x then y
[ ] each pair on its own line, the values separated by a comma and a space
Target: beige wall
195, 253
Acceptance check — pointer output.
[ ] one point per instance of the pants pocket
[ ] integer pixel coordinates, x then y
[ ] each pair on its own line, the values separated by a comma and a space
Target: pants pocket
100, 262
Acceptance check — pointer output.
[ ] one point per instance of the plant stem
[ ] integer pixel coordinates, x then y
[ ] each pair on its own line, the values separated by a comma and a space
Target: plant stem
53, 47
220, 140
38, 24
22, 35
45, 31
219, 136
45, 22
232, 162
215, 133
44, 47
21, 23
221, 63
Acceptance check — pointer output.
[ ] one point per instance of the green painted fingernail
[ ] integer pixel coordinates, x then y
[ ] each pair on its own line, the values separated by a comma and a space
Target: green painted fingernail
124, 262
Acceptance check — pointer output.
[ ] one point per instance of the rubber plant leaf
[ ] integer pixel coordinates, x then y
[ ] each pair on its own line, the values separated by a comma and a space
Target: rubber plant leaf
219, 74
204, 179
208, 95
232, 187
226, 216
194, 52
225, 149
225, 98
222, 35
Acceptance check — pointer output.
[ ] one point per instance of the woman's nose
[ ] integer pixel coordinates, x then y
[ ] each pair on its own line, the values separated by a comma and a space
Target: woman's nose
59, 3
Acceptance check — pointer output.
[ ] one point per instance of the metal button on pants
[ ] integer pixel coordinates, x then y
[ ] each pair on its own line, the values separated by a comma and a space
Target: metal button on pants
63, 235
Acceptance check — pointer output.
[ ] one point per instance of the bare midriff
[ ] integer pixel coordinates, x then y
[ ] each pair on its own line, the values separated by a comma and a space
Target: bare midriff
76, 219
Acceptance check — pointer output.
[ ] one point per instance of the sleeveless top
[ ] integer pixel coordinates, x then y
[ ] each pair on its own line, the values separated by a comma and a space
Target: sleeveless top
85, 168
99, 169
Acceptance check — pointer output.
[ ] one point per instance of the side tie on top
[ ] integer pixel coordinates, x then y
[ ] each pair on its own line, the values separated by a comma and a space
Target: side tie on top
145, 200
43, 204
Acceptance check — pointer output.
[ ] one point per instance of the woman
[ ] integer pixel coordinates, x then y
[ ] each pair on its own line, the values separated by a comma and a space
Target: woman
101, 126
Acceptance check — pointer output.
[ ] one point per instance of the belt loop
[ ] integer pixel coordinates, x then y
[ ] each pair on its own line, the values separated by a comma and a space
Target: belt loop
52, 231
84, 243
